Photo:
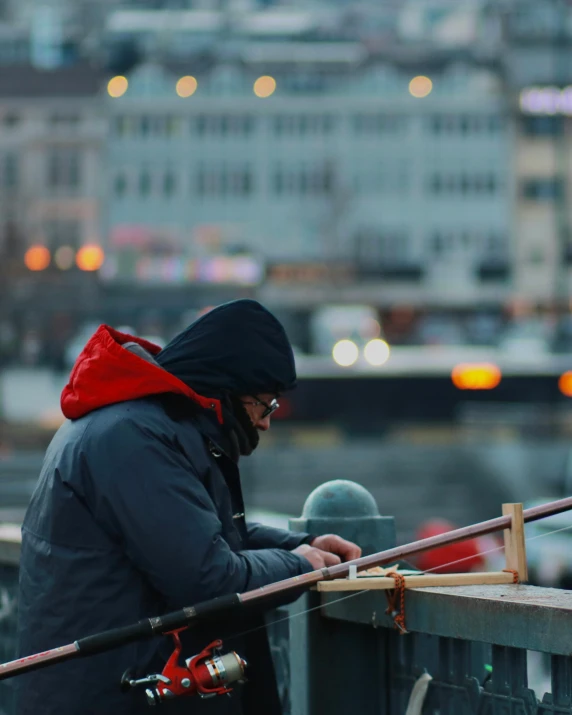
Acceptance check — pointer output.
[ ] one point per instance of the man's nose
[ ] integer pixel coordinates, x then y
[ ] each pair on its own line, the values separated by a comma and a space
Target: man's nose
263, 424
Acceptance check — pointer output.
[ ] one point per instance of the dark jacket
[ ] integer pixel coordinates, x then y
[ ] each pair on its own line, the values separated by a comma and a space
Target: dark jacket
138, 512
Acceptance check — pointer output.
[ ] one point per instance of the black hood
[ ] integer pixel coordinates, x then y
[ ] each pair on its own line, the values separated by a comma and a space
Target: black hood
238, 347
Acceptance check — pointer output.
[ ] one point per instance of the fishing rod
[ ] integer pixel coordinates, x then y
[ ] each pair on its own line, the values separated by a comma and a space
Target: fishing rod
210, 673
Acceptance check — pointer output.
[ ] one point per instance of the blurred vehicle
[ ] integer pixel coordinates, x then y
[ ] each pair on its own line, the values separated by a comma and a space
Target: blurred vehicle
527, 337
333, 323
440, 330
470, 555
549, 548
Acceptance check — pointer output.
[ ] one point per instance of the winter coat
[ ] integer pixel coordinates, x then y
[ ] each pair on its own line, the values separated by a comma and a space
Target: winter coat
138, 512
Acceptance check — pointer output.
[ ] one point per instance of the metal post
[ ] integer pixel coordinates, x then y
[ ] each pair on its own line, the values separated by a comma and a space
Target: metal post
338, 667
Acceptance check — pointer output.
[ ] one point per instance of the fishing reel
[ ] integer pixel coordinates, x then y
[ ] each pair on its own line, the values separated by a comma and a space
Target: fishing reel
207, 674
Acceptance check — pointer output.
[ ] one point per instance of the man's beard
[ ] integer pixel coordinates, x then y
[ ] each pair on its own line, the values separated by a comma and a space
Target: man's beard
242, 432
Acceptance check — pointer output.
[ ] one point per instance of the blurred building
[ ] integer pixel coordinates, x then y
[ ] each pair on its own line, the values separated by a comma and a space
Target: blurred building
538, 71
409, 155
52, 133
354, 178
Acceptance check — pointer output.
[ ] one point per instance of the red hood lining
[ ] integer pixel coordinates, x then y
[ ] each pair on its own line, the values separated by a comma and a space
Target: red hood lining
91, 383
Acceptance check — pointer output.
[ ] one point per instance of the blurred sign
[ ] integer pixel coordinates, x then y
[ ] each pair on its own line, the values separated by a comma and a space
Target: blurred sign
309, 272
160, 270
546, 100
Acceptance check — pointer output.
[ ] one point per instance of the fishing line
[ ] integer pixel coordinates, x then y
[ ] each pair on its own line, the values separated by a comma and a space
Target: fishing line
359, 593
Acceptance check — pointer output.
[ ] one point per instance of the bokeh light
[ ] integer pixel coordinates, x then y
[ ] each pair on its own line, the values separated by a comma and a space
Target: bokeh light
420, 86
117, 86
63, 257
90, 257
565, 383
37, 258
264, 86
345, 352
477, 376
376, 352
186, 86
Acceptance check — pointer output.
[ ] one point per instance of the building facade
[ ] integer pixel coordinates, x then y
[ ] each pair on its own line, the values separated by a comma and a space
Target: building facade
401, 187
52, 134
539, 82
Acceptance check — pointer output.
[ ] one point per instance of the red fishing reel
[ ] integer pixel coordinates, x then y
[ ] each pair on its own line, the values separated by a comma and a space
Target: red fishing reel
207, 674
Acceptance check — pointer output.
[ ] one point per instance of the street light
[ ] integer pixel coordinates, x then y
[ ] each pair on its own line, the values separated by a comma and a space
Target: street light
37, 258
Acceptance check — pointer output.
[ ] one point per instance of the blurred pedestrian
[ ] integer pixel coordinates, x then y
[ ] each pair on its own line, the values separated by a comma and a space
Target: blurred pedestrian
481, 553
139, 511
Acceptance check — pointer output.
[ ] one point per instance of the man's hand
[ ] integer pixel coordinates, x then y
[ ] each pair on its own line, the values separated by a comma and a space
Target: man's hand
319, 559
346, 550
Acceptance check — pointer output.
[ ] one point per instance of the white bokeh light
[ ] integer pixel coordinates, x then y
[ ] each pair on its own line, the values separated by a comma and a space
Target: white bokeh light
376, 352
345, 352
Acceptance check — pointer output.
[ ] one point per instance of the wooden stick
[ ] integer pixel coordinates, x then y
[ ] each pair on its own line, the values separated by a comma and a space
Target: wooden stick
514, 543
383, 583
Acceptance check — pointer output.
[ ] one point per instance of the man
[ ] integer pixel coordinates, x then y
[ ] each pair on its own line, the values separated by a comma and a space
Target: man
139, 511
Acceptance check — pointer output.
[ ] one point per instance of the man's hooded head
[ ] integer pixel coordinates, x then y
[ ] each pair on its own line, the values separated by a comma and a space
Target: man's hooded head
238, 348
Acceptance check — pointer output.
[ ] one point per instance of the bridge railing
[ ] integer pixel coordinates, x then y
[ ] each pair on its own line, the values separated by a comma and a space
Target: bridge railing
469, 650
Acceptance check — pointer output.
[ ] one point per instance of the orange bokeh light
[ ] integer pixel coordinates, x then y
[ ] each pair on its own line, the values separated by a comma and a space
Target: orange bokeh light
264, 86
565, 384
90, 257
476, 376
420, 86
186, 86
117, 86
37, 258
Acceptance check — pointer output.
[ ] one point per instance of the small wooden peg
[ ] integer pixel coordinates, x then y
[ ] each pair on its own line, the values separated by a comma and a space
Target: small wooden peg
514, 543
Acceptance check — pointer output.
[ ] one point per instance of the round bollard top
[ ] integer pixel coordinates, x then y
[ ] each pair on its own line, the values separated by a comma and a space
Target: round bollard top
340, 498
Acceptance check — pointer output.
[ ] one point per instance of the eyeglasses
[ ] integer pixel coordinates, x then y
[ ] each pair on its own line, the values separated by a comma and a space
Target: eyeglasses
269, 408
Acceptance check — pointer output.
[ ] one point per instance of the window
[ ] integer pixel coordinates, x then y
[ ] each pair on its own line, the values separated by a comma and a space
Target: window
9, 177
169, 183
465, 124
144, 126
386, 247
443, 243
123, 126
120, 184
496, 245
438, 243
172, 126
224, 180
145, 183
63, 168
542, 126
304, 180
486, 184
542, 189
302, 125
67, 121
223, 125
378, 123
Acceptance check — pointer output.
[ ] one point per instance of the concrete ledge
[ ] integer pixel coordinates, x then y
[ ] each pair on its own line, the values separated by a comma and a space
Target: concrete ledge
511, 615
